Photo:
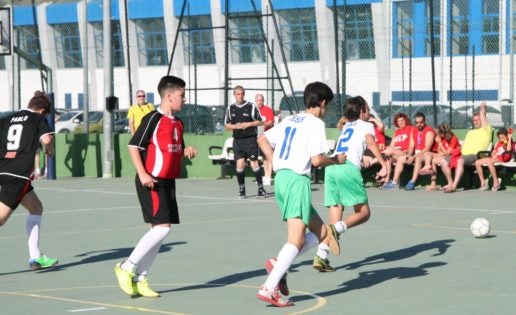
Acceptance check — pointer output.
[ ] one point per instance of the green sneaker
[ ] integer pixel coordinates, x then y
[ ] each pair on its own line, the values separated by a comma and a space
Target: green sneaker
42, 262
323, 265
125, 279
144, 290
334, 240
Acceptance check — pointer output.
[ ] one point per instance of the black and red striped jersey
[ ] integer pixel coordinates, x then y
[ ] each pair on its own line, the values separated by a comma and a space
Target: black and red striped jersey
160, 140
20, 134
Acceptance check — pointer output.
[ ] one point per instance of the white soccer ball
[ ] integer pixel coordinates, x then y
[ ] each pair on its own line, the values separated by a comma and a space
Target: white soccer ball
480, 227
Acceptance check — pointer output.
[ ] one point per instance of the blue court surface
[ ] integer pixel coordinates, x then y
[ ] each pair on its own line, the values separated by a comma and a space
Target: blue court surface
416, 255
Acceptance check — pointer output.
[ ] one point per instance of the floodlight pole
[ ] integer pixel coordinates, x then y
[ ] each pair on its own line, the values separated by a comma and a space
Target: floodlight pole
432, 54
107, 169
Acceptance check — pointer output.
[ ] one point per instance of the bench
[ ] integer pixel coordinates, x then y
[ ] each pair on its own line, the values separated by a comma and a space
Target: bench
224, 158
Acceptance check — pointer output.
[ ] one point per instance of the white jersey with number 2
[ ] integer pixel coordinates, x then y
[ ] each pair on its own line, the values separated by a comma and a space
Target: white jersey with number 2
352, 140
295, 140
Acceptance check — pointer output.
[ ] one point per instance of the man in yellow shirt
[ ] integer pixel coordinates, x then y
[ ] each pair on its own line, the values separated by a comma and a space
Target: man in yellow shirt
476, 140
138, 110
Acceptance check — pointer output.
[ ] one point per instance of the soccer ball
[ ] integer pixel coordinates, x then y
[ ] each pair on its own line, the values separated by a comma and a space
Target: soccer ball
480, 227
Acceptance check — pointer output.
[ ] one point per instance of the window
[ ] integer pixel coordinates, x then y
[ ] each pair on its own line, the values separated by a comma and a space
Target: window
412, 33
437, 28
27, 41
248, 46
359, 31
404, 29
299, 32
198, 40
68, 45
152, 43
490, 30
116, 42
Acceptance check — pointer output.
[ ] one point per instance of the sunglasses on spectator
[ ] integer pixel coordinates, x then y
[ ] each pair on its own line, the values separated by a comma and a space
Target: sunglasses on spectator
140, 95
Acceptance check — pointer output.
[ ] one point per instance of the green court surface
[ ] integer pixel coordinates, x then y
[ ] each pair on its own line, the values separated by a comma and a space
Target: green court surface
416, 255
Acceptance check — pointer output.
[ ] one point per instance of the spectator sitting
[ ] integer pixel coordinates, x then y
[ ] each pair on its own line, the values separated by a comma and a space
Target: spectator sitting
400, 148
502, 152
476, 140
423, 138
446, 148
369, 159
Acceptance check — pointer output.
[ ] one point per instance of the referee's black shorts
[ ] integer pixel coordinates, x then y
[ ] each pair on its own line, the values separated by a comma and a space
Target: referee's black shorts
245, 148
159, 204
13, 189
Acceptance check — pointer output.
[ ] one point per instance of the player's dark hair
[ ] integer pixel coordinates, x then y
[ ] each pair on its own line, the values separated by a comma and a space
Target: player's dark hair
39, 101
170, 82
315, 93
420, 115
354, 106
502, 131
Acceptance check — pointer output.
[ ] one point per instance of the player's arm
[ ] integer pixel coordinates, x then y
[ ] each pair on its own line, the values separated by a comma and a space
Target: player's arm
371, 145
483, 114
379, 124
429, 142
47, 141
145, 178
322, 160
265, 147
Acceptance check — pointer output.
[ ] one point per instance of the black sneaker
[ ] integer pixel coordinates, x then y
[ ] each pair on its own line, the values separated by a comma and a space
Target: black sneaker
241, 194
261, 193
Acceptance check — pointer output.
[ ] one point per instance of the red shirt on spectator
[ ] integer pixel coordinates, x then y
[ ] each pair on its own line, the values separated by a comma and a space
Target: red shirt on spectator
267, 115
401, 137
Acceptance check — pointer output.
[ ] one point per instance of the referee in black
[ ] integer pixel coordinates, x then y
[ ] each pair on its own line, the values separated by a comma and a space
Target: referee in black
243, 118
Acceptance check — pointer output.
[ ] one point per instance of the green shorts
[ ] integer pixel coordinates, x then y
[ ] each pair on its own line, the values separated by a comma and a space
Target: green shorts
343, 184
293, 193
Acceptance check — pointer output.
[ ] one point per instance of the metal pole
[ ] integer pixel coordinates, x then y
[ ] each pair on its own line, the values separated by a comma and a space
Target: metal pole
336, 38
344, 55
85, 68
128, 51
451, 64
226, 55
432, 53
176, 37
107, 169
511, 60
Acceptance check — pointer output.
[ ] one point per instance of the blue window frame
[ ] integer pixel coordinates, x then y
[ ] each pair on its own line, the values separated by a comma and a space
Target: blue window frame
474, 28
299, 32
412, 34
490, 26
198, 40
152, 43
358, 31
116, 42
27, 41
68, 45
249, 46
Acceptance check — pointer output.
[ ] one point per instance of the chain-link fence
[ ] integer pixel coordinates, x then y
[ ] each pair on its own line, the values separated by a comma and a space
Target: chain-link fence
399, 55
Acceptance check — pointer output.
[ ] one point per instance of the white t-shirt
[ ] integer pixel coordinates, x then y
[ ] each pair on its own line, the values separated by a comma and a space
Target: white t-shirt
352, 140
295, 140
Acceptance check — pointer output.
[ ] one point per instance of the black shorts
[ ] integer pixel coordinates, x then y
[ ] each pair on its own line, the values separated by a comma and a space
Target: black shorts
245, 148
13, 189
159, 205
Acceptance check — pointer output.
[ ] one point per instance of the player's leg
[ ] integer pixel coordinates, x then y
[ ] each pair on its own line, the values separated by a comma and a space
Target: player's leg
255, 166
5, 213
321, 261
240, 175
31, 202
484, 185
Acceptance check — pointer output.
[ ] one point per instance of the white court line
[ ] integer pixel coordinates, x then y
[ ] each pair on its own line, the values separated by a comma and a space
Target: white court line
491, 211
87, 309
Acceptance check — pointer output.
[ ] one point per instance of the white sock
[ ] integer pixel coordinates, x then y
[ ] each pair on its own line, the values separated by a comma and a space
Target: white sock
311, 241
285, 258
143, 267
323, 250
341, 227
33, 223
152, 238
